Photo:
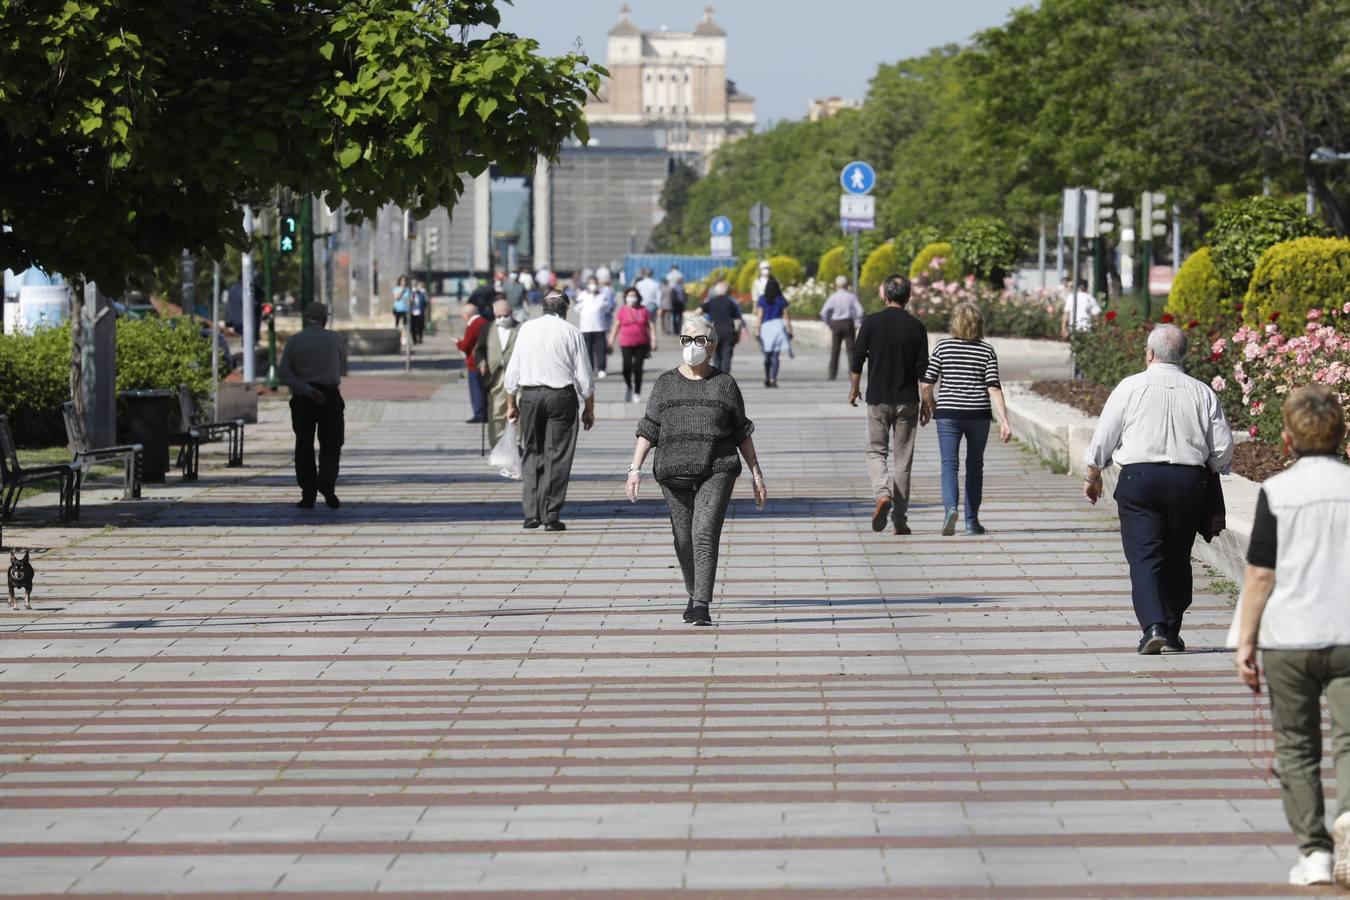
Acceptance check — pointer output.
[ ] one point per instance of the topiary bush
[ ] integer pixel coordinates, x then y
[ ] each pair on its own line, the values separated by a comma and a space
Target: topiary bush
162, 354
1296, 276
879, 264
985, 247
745, 278
833, 263
910, 241
1199, 293
923, 263
1244, 230
787, 269
34, 382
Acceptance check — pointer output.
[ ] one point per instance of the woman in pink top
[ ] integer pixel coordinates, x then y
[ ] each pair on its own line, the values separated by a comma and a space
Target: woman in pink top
636, 334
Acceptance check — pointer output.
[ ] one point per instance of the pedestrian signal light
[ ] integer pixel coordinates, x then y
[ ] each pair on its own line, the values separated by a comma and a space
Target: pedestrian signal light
286, 234
1154, 214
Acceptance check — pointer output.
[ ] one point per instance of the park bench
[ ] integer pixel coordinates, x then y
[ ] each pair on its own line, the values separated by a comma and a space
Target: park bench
195, 433
14, 476
128, 454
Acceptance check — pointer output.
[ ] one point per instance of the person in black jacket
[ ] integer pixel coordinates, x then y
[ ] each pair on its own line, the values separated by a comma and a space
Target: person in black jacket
894, 346
725, 314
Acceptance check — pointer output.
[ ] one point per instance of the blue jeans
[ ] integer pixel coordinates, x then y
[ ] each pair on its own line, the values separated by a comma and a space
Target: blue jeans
976, 433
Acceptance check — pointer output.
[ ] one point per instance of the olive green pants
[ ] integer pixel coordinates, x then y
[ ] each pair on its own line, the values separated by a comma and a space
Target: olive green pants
1296, 680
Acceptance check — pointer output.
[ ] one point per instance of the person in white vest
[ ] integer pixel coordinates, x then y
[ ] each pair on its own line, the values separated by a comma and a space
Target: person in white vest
1294, 608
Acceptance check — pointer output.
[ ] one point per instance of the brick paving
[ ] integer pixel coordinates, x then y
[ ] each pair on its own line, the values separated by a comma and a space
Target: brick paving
225, 696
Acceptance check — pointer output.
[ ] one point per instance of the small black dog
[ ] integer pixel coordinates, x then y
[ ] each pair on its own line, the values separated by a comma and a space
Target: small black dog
20, 576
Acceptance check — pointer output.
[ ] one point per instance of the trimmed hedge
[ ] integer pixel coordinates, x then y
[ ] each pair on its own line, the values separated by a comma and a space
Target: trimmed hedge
787, 269
1244, 230
151, 354
950, 271
745, 278
985, 247
879, 264
1296, 276
910, 241
1199, 293
833, 263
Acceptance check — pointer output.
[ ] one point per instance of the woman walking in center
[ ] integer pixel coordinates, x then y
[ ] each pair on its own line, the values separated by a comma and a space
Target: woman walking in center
636, 333
696, 421
402, 298
968, 396
775, 328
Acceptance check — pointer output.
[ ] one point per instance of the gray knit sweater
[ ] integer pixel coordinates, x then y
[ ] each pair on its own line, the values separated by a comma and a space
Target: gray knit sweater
695, 425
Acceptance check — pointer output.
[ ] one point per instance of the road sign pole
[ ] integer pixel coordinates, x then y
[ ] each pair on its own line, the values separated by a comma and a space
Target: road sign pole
857, 289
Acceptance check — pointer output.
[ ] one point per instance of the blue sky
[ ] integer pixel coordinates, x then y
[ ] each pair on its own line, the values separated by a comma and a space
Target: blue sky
782, 52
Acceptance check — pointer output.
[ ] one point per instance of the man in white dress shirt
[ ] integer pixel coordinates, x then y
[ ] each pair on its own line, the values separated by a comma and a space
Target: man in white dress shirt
1166, 431
549, 370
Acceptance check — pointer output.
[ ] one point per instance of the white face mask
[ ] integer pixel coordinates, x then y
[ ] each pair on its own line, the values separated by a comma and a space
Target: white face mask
695, 355
592, 287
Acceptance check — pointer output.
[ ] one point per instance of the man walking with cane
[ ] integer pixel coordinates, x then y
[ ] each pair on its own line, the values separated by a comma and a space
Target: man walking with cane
549, 370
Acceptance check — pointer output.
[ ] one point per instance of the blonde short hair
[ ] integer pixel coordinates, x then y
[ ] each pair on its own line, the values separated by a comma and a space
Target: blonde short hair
699, 326
1314, 420
967, 322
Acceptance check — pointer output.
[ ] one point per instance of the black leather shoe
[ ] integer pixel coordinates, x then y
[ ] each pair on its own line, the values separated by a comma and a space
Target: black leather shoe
689, 612
1174, 643
1151, 644
332, 501
701, 616
555, 525
305, 503
532, 523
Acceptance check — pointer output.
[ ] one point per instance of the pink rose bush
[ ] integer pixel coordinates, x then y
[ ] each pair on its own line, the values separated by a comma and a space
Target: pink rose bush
1007, 313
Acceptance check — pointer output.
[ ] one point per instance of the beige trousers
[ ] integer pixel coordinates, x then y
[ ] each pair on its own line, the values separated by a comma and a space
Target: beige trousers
890, 442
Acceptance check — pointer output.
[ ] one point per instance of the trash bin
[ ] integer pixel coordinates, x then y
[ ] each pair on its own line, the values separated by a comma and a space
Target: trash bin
148, 425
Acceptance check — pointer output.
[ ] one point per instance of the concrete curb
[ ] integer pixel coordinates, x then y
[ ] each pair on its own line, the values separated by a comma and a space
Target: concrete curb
1061, 434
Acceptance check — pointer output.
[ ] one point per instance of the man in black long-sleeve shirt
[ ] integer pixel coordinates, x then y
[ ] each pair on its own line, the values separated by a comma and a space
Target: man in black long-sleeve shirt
312, 365
894, 345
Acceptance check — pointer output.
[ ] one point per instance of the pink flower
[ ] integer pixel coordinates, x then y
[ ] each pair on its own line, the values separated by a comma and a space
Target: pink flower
1218, 383
1219, 346
1314, 314
1253, 431
1346, 309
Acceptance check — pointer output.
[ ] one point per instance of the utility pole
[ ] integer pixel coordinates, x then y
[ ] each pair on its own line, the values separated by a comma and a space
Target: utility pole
215, 343
265, 229
250, 313
306, 251
409, 235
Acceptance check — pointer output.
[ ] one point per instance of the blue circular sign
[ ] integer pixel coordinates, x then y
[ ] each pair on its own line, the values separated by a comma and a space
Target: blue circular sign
858, 177
720, 226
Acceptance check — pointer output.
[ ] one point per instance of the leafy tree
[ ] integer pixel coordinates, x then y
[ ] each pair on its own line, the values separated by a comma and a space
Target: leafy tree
674, 198
986, 248
1246, 229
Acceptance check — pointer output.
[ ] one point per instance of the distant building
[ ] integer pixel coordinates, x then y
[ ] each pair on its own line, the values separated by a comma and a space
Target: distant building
824, 108
674, 82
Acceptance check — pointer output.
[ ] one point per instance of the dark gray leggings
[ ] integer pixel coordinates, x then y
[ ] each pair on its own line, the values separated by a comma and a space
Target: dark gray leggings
696, 517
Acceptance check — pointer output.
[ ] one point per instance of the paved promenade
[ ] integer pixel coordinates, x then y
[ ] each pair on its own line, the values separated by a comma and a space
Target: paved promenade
227, 696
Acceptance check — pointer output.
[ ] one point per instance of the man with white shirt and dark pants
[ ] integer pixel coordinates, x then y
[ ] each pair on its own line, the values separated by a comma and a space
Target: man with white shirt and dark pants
1167, 432
549, 370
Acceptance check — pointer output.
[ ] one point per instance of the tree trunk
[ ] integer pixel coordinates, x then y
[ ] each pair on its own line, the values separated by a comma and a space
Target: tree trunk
78, 337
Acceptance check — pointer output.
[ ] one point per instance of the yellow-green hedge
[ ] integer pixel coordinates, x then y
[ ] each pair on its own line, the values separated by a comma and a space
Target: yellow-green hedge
1296, 276
1198, 291
879, 264
833, 263
951, 270
787, 269
745, 278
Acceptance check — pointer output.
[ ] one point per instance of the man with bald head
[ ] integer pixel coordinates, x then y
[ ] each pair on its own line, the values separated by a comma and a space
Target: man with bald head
312, 366
1167, 432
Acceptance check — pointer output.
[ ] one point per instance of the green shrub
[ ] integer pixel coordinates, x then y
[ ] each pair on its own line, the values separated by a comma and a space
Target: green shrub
1199, 294
879, 264
34, 382
986, 248
910, 241
833, 263
1244, 230
745, 278
923, 263
1296, 276
151, 353
787, 269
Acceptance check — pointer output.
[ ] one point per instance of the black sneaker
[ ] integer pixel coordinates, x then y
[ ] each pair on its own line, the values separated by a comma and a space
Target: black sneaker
689, 612
701, 616
532, 523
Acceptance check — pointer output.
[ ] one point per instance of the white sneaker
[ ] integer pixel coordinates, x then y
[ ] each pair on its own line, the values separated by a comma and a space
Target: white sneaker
637, 398
1315, 868
600, 374
1340, 832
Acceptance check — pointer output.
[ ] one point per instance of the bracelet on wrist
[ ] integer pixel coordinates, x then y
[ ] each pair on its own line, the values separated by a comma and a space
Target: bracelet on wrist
633, 469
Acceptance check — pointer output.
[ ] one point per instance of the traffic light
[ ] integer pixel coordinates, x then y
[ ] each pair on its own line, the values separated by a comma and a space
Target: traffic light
433, 240
288, 235
1155, 215
1106, 213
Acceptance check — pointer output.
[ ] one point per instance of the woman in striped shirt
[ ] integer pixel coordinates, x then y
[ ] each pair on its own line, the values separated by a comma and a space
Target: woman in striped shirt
969, 394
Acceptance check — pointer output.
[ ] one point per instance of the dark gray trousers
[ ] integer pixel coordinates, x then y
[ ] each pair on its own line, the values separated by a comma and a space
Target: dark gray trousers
548, 439
696, 517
